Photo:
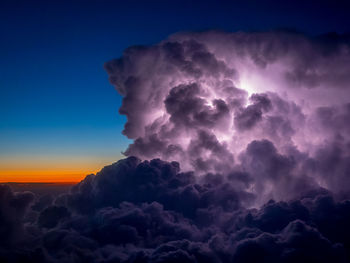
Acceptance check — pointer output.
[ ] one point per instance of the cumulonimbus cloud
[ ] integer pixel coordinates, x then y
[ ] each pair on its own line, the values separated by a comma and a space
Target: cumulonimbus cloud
205, 99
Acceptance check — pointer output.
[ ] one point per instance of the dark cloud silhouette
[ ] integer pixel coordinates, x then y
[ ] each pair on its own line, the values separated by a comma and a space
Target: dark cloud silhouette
52, 215
151, 212
13, 207
43, 201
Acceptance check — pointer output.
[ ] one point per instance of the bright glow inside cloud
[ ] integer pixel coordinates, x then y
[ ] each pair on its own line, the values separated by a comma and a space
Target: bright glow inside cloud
203, 99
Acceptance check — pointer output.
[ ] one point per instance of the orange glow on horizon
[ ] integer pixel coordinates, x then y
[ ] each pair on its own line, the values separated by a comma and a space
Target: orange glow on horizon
43, 176
51, 169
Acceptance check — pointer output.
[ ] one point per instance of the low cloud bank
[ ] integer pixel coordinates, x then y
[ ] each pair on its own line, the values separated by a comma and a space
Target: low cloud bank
134, 211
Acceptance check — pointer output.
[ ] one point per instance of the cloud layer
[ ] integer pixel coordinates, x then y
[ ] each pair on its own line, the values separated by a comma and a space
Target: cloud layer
134, 211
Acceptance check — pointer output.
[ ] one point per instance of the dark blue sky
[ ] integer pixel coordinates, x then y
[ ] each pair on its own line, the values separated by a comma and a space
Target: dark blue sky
55, 99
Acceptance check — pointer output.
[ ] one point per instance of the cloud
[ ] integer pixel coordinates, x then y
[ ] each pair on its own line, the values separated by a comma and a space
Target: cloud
52, 215
234, 87
240, 153
183, 217
247, 117
13, 207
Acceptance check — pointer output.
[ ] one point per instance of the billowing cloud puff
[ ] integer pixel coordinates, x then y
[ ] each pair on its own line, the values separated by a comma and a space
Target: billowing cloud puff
202, 98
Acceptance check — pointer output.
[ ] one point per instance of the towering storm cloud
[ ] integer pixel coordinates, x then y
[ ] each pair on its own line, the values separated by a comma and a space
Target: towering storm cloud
273, 104
240, 153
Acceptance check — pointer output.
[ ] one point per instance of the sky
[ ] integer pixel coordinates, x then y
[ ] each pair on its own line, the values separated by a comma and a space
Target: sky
237, 114
58, 112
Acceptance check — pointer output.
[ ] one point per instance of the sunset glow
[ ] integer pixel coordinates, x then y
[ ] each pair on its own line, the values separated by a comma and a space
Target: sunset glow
49, 176
47, 169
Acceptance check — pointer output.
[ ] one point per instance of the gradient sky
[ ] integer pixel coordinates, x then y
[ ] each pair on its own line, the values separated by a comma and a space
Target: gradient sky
58, 113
